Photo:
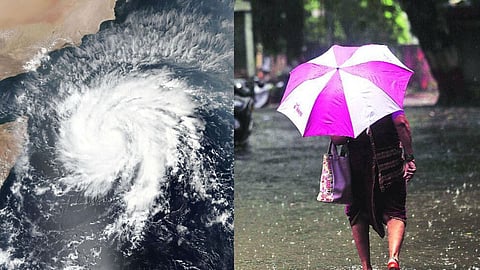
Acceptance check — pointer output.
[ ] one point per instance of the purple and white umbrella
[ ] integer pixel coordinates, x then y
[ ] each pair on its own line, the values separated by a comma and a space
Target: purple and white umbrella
345, 90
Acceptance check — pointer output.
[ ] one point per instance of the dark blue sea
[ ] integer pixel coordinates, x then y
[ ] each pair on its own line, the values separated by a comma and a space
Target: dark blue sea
128, 162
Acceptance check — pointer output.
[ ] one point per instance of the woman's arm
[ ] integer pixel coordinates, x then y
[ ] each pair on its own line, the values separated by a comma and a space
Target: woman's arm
404, 133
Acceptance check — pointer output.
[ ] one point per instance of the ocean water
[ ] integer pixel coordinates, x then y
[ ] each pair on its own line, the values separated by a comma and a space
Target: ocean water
129, 157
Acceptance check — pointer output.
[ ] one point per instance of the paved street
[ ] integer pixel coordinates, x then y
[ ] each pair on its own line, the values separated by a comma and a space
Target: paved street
279, 224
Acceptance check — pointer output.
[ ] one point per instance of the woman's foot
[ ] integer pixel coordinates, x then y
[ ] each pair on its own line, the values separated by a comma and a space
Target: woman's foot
393, 264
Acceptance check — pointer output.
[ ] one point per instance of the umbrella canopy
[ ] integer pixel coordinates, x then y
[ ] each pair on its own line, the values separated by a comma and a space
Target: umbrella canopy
345, 90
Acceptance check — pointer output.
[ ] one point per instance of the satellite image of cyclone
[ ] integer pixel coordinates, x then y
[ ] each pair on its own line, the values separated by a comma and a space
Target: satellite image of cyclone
128, 159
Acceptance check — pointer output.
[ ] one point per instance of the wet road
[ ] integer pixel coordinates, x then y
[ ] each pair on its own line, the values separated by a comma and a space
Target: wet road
280, 225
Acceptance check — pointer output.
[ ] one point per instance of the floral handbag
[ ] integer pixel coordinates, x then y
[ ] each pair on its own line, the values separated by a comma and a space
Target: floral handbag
335, 181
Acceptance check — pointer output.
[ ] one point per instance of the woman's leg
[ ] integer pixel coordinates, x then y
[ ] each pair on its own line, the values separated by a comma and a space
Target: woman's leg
360, 232
396, 230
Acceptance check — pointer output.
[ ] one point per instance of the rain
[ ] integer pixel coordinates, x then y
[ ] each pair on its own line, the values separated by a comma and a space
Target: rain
280, 225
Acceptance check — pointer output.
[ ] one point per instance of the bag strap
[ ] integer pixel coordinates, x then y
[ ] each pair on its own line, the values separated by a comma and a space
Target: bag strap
332, 149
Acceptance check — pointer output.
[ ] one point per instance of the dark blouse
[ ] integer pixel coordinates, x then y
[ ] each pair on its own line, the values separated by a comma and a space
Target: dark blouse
376, 162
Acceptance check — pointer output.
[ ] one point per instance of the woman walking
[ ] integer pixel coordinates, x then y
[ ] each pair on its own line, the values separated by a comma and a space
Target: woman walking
382, 162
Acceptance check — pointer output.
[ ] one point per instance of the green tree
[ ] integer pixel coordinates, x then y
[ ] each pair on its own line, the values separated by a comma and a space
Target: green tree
286, 26
440, 43
355, 22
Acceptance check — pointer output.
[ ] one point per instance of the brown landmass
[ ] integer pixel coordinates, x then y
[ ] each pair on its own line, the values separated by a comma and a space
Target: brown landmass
12, 139
30, 27
27, 26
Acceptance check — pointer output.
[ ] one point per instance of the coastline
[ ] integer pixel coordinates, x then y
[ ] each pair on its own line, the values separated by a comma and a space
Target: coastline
44, 26
12, 139
29, 30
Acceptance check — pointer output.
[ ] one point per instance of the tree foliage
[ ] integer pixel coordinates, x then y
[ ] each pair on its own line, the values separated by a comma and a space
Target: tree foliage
294, 26
355, 22
437, 25
286, 26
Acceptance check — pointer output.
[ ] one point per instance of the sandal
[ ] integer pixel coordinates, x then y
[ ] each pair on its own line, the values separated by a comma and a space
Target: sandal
393, 264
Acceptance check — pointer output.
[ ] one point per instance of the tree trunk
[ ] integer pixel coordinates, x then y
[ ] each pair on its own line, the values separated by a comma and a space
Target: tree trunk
464, 25
429, 25
294, 27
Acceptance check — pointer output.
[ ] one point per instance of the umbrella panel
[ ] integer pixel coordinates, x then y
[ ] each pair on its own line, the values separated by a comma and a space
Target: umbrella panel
329, 114
302, 73
367, 103
391, 78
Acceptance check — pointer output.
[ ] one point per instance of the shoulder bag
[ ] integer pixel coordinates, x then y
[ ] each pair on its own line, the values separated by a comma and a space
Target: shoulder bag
335, 181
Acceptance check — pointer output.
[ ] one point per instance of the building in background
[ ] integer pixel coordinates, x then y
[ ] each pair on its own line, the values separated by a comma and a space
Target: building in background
244, 66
